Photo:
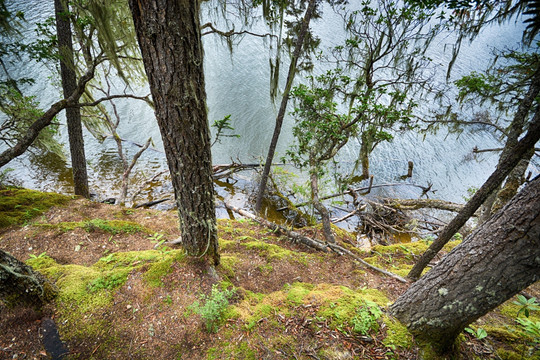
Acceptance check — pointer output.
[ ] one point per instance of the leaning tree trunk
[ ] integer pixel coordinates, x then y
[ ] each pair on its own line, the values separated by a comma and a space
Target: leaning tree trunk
170, 40
20, 285
499, 259
69, 85
506, 165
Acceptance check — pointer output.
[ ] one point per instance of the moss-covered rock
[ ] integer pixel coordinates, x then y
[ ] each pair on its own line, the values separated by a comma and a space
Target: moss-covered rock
18, 206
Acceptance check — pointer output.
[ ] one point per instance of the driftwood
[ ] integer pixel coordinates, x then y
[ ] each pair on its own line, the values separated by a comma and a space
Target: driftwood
151, 203
352, 191
415, 204
311, 242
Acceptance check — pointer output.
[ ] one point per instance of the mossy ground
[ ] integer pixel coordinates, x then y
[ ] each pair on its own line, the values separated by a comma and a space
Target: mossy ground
120, 298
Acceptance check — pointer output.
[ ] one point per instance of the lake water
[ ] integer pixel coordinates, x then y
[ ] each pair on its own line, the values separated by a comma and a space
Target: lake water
238, 84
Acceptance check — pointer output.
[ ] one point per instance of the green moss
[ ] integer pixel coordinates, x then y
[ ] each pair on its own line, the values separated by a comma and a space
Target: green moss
231, 350
297, 292
270, 251
505, 354
397, 334
18, 206
41, 262
228, 264
111, 226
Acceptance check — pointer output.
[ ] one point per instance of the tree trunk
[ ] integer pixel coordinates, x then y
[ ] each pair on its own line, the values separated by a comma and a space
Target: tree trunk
170, 40
321, 209
364, 155
506, 165
69, 85
516, 128
283, 107
20, 285
499, 259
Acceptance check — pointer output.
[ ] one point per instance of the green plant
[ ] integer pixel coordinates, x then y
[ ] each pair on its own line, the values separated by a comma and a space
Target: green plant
108, 282
478, 333
526, 306
40, 256
458, 236
212, 307
366, 318
530, 328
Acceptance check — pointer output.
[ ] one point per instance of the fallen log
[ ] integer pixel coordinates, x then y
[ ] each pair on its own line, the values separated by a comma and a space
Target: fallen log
415, 204
352, 191
311, 242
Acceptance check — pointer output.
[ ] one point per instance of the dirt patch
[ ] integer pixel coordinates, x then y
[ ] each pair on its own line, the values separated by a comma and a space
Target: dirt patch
140, 304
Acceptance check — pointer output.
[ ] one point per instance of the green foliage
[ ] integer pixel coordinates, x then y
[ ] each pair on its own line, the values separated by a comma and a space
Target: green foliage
526, 305
530, 328
221, 127
40, 256
112, 226
478, 333
20, 112
212, 307
366, 318
109, 281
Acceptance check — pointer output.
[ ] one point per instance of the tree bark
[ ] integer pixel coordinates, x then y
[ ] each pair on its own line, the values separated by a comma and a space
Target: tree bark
505, 166
169, 36
516, 128
499, 259
20, 285
321, 209
69, 85
283, 107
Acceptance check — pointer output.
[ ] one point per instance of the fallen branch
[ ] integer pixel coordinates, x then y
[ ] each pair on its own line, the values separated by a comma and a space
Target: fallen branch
311, 242
415, 204
282, 229
350, 191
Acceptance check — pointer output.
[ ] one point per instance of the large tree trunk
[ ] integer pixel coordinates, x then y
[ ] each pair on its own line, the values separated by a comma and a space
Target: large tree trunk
170, 40
20, 285
506, 165
283, 107
500, 258
69, 85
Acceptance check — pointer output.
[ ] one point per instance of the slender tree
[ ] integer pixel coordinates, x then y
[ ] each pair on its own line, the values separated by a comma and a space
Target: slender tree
169, 37
506, 165
69, 84
284, 101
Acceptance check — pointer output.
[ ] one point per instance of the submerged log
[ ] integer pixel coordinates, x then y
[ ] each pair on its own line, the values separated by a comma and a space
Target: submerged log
20, 285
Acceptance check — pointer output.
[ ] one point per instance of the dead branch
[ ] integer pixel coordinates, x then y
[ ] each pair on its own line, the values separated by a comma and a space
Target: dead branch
350, 191
311, 242
415, 204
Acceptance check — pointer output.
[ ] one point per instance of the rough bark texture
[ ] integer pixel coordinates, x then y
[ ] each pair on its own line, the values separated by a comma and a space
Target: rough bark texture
170, 40
20, 285
494, 263
505, 166
69, 85
283, 107
321, 209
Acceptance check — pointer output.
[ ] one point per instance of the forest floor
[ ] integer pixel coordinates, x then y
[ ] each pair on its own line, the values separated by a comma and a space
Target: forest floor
119, 298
